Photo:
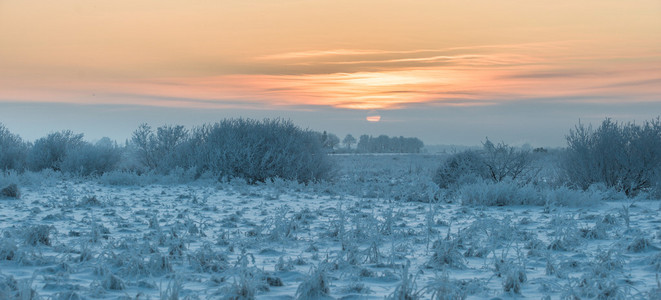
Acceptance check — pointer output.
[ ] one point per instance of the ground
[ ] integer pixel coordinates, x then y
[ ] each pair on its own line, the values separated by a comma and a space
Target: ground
72, 238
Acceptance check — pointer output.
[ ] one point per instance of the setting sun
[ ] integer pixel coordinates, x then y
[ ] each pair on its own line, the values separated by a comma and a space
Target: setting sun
373, 118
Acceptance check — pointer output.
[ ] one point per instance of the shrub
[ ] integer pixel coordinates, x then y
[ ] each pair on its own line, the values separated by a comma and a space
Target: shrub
260, 150
49, 152
495, 163
564, 196
10, 191
205, 259
38, 234
445, 289
88, 159
623, 156
234, 148
459, 165
504, 162
514, 277
8, 250
12, 150
162, 150
446, 254
499, 194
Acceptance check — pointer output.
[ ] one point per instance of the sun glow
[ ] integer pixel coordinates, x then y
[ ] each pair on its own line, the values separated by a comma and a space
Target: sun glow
219, 55
373, 118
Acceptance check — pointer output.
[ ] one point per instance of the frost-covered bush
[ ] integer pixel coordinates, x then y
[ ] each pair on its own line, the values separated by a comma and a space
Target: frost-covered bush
640, 244
38, 234
513, 277
564, 196
88, 159
458, 166
205, 259
8, 250
444, 288
623, 156
505, 162
445, 253
233, 148
49, 152
494, 162
12, 150
505, 193
260, 150
162, 150
10, 191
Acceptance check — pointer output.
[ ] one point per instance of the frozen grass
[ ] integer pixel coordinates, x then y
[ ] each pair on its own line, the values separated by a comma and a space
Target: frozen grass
75, 239
316, 286
10, 191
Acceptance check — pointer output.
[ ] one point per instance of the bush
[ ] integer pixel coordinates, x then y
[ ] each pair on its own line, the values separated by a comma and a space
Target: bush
234, 148
162, 150
504, 162
623, 156
446, 254
88, 159
458, 166
12, 150
49, 152
38, 234
564, 196
10, 191
260, 150
495, 163
499, 194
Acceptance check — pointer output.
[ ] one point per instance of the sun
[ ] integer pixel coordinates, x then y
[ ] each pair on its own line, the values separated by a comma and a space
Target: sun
373, 116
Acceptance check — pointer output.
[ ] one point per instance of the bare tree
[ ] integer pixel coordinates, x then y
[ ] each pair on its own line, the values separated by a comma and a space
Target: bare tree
504, 161
348, 141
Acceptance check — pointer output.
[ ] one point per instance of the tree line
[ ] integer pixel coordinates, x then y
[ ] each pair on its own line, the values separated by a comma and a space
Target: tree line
370, 144
255, 150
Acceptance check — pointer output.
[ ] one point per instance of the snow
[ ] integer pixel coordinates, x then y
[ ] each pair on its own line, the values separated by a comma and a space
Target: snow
204, 239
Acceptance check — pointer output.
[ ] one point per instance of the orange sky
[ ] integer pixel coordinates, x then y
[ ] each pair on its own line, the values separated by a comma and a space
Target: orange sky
293, 55
352, 54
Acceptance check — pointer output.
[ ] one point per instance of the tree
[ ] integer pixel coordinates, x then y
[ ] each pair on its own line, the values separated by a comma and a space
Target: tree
364, 143
332, 141
143, 140
348, 141
504, 161
168, 144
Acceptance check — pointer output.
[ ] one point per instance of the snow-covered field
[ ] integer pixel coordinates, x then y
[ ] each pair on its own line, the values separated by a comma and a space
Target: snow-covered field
75, 239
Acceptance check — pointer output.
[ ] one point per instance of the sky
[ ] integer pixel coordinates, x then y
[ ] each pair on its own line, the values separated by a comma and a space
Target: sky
448, 72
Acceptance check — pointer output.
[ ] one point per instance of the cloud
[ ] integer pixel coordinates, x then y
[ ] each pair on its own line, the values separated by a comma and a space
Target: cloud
374, 79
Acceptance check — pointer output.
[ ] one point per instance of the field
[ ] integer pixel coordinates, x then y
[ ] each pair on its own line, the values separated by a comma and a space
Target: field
382, 229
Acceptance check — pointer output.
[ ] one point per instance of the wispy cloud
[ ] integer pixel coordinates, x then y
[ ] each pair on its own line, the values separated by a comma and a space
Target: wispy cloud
357, 52
378, 79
